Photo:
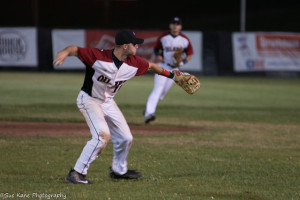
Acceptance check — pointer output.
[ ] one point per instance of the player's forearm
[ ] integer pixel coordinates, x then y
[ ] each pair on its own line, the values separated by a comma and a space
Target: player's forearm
154, 68
71, 50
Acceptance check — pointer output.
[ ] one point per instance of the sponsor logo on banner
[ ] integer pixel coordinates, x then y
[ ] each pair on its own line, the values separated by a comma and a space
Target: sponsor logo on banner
105, 39
255, 64
266, 51
273, 45
13, 46
243, 46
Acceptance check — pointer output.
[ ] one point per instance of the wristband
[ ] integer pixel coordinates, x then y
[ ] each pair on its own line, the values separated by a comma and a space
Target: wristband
184, 61
167, 73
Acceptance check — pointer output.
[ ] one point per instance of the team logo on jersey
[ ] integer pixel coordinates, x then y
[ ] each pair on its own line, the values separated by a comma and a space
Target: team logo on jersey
118, 84
104, 79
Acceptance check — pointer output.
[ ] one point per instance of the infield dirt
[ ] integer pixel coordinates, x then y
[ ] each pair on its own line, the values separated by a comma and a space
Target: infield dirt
79, 129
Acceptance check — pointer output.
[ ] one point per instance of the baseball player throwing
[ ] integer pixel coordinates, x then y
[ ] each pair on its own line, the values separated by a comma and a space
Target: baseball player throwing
106, 72
169, 51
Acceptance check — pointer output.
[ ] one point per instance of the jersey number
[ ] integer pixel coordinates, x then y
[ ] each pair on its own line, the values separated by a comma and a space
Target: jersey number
118, 85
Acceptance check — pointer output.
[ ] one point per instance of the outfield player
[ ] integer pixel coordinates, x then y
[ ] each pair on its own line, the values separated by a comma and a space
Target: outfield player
106, 72
166, 46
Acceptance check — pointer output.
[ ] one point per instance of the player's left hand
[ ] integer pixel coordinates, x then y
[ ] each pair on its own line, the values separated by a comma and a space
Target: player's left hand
178, 58
186, 81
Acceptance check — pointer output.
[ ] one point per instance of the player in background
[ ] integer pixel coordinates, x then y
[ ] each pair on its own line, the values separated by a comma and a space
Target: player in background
166, 46
106, 71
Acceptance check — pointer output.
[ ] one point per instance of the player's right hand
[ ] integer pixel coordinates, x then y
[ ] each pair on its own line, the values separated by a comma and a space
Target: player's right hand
158, 59
60, 57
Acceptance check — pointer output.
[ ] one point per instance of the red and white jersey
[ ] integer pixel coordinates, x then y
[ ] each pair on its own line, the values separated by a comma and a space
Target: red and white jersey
170, 44
103, 79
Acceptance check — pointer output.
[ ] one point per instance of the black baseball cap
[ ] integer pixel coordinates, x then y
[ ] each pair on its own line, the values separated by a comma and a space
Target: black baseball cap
176, 20
127, 37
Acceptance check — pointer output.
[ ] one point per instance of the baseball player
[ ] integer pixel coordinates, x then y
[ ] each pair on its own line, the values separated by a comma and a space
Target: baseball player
170, 49
106, 72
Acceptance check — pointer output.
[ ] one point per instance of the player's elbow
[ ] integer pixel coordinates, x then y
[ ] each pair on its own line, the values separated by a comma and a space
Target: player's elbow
152, 67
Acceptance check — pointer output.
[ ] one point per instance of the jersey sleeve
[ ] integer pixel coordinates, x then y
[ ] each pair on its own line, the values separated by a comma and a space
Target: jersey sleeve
88, 55
189, 50
143, 66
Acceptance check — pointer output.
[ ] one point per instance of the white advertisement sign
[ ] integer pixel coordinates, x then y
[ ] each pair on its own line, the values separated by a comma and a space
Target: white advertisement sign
266, 52
195, 64
63, 38
18, 47
105, 39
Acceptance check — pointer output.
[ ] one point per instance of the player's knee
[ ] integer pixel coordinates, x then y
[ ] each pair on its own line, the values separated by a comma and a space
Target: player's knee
104, 136
94, 143
128, 139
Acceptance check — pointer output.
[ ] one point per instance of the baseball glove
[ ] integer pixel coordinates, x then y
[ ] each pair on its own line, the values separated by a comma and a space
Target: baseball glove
178, 58
186, 81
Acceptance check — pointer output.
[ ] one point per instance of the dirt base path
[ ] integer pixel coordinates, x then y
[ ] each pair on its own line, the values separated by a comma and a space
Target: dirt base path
79, 129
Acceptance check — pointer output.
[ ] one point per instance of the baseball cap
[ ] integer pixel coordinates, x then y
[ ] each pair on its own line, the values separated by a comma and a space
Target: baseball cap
176, 20
127, 37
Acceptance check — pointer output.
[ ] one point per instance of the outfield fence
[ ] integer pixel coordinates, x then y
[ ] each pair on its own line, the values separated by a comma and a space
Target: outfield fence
215, 53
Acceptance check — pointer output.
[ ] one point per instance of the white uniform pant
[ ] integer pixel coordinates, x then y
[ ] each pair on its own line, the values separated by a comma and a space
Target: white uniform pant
105, 121
162, 85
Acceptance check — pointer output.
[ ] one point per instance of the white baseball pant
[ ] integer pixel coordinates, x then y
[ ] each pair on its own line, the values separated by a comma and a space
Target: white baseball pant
105, 121
162, 85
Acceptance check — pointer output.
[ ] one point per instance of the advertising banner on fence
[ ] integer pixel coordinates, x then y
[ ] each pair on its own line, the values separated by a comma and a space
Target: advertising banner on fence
195, 64
18, 47
63, 38
105, 39
266, 52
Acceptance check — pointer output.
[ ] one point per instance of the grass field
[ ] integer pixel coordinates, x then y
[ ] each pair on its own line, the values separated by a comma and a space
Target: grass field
248, 150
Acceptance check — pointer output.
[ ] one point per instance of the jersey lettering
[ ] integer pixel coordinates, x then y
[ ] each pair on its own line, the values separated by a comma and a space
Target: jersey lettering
118, 85
168, 49
103, 79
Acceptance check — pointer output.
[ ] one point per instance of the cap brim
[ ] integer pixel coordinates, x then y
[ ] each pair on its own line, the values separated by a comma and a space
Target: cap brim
139, 41
176, 22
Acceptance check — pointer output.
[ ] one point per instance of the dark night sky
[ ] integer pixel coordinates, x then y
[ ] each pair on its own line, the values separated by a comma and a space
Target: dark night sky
203, 15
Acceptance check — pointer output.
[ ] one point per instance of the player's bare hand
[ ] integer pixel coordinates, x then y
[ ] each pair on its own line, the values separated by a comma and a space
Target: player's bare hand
60, 57
158, 59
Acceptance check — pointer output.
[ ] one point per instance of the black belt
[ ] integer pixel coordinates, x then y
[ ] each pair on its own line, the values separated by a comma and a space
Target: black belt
173, 66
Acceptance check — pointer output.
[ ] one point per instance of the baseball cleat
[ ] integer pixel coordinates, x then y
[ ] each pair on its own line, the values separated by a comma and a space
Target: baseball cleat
130, 174
149, 118
144, 111
76, 178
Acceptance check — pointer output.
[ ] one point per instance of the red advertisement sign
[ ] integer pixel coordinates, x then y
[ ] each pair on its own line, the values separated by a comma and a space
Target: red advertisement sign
105, 39
278, 45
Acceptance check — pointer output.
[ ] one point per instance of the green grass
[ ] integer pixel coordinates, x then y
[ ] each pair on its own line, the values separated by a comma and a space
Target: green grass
248, 149
52, 97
